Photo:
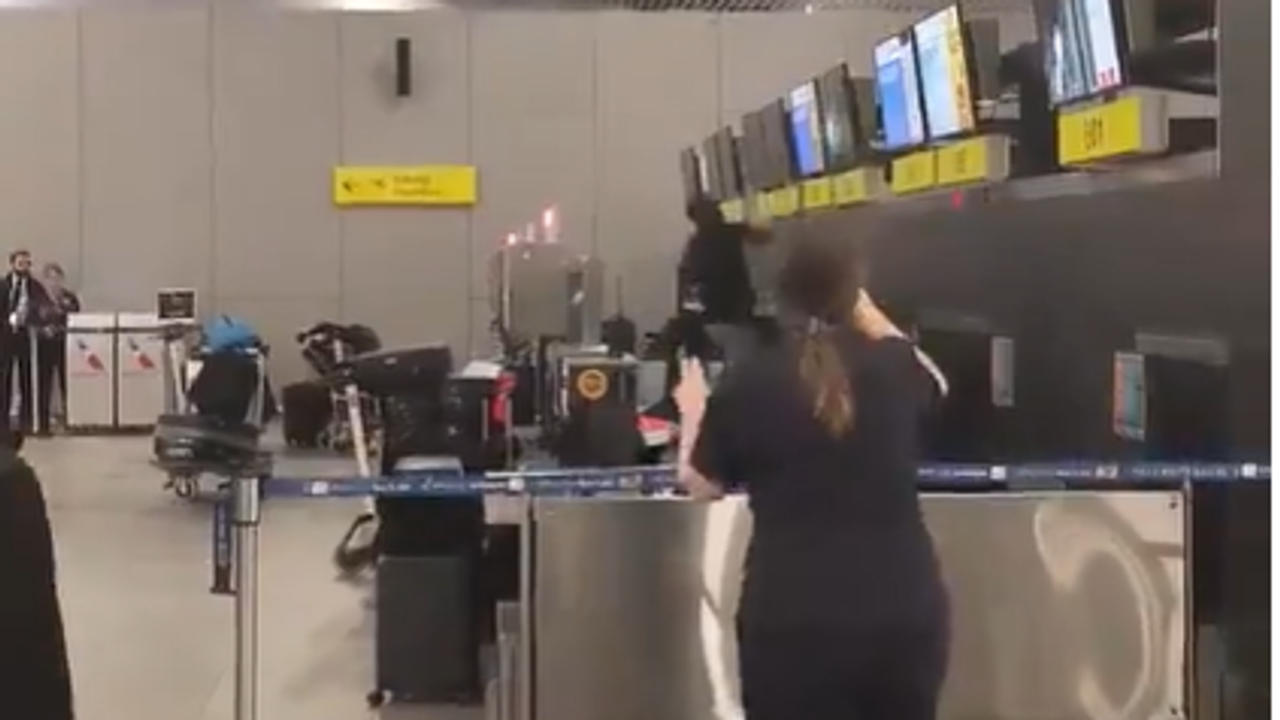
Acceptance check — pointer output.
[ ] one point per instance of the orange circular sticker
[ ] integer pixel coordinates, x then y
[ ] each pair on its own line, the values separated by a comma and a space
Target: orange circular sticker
593, 384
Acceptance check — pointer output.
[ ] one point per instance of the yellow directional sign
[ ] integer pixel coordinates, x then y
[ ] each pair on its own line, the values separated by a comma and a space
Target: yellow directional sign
407, 185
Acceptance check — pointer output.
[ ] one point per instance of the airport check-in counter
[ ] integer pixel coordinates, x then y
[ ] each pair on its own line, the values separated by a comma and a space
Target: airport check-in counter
1064, 604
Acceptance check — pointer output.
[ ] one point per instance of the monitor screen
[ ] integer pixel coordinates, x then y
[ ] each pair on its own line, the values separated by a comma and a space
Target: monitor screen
1083, 49
691, 175
730, 164
777, 140
806, 130
839, 117
754, 167
898, 90
711, 163
944, 73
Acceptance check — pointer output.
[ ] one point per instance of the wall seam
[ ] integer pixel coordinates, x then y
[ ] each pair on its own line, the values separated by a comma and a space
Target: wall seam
212, 92
342, 158
597, 136
471, 244
82, 215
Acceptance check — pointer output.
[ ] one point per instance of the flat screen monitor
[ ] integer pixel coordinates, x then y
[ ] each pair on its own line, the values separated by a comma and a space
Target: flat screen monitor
777, 139
841, 120
753, 154
691, 175
1085, 48
805, 124
945, 76
711, 161
730, 164
898, 92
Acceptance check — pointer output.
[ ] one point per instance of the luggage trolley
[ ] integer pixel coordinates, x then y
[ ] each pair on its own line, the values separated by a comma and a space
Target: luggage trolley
190, 440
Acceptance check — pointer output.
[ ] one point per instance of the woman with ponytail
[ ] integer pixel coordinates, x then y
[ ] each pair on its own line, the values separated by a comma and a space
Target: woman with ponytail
843, 612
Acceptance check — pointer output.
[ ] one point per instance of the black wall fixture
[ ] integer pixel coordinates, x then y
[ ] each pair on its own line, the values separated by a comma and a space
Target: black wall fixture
404, 67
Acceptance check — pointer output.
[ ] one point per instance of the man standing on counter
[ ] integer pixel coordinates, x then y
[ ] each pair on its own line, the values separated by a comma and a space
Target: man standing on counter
21, 295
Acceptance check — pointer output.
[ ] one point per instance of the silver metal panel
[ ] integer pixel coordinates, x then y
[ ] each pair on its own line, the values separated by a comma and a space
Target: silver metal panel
1064, 606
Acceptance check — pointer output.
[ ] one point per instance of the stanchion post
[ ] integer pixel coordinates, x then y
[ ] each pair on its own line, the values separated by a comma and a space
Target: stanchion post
246, 518
524, 682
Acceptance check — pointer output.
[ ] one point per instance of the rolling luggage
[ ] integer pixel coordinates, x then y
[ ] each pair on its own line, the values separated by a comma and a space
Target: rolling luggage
308, 409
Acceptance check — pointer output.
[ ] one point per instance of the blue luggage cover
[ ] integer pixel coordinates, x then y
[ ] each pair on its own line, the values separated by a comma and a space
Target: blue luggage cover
228, 334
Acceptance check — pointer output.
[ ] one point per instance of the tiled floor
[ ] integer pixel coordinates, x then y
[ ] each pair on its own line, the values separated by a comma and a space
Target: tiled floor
147, 640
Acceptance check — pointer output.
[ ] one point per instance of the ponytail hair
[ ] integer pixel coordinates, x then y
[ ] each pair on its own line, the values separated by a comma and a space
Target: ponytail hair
820, 281
825, 375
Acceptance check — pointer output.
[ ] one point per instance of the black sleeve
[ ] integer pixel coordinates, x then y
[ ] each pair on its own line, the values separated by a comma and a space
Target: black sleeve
915, 379
714, 454
73, 302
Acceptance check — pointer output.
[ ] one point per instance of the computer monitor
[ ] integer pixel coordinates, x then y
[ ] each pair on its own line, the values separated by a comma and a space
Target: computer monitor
730, 164
777, 140
712, 165
805, 124
691, 175
843, 117
754, 155
946, 73
1086, 44
898, 92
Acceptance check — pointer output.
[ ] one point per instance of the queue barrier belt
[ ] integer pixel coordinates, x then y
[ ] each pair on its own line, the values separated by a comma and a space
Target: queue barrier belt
657, 479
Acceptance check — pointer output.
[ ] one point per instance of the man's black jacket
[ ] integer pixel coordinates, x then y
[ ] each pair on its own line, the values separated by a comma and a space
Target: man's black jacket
35, 680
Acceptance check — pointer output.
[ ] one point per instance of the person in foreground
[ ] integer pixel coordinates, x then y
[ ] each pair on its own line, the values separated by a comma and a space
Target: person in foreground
843, 614
35, 681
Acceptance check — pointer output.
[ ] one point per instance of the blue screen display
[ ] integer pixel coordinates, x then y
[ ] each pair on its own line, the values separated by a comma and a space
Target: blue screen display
806, 130
898, 88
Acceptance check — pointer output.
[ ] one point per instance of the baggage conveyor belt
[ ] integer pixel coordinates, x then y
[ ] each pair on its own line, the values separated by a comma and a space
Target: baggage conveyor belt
238, 512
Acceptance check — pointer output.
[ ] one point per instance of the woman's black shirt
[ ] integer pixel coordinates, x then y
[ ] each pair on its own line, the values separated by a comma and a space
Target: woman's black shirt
839, 541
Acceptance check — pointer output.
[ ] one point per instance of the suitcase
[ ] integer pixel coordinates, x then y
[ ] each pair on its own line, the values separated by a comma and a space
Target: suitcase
412, 371
308, 408
426, 647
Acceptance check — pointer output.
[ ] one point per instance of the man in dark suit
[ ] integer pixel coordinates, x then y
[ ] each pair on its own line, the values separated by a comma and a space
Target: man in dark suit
21, 296
35, 679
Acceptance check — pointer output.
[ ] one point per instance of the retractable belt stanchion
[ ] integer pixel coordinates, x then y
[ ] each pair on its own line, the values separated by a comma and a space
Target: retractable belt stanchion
246, 515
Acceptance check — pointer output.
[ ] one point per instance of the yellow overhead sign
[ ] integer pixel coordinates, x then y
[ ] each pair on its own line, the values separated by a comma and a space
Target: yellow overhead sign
406, 185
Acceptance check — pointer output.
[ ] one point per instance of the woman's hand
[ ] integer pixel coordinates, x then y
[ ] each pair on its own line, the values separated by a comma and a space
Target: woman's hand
691, 393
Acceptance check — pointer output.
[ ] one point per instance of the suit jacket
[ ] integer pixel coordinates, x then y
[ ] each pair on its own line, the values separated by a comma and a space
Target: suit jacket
35, 680
37, 301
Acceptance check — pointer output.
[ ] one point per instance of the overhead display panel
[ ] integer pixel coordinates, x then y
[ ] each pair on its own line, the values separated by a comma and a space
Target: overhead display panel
945, 74
898, 90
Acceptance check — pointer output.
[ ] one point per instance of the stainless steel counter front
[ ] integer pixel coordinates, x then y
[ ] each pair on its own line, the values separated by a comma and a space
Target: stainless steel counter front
1064, 605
